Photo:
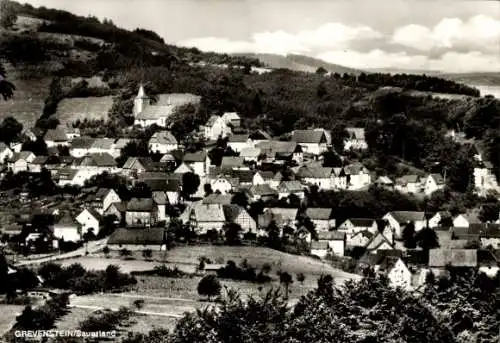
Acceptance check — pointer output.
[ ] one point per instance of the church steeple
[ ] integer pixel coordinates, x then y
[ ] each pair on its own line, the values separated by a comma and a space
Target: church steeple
141, 101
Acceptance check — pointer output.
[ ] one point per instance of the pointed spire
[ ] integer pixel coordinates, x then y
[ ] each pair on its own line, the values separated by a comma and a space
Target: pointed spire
141, 93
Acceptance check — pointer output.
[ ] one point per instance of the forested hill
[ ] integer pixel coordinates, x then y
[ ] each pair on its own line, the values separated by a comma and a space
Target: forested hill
403, 128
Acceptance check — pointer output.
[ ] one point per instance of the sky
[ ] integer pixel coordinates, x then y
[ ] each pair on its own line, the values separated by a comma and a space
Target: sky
441, 35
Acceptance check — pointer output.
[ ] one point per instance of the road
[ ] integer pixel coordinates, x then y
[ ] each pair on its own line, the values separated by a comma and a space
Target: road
92, 247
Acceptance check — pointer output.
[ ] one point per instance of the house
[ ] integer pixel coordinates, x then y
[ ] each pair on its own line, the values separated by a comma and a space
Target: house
267, 177
259, 136
161, 201
322, 218
396, 270
37, 164
250, 154
313, 142
5, 153
16, 146
162, 142
340, 181
147, 114
204, 217
221, 199
379, 242
358, 176
134, 166
281, 151
72, 177
117, 209
440, 219
352, 226
238, 215
102, 199
329, 243
141, 212
355, 139
56, 137
89, 221
199, 162
216, 128
322, 177
385, 182
81, 146
287, 188
102, 146
223, 184
96, 163
432, 183
232, 162
359, 238
20, 162
232, 119
408, 184
398, 220
135, 239
239, 142
67, 229
466, 219
439, 259
262, 192
245, 177
281, 216
183, 168
169, 184
484, 178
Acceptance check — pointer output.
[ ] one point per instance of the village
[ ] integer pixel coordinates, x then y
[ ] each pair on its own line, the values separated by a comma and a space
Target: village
255, 193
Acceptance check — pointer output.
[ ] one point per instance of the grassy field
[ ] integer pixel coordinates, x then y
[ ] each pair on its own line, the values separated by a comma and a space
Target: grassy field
8, 314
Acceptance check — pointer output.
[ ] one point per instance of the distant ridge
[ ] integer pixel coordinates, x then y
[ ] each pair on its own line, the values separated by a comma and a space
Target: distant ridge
299, 63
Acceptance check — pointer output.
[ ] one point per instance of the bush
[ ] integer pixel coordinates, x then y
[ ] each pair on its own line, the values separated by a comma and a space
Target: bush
163, 271
244, 273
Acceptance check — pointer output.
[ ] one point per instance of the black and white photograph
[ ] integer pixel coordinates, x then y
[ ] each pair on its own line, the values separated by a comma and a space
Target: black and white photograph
250, 171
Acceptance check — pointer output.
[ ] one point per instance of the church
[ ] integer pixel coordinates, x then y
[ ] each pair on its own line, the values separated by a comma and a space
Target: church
147, 113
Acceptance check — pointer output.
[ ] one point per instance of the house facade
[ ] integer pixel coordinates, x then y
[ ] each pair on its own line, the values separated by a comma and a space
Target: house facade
216, 128
89, 221
433, 183
355, 139
397, 221
162, 142
141, 213
313, 142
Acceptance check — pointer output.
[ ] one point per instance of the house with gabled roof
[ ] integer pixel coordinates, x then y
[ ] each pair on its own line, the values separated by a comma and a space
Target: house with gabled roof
238, 215
250, 154
5, 153
398, 220
56, 137
67, 228
379, 242
223, 184
204, 217
118, 209
20, 162
439, 218
281, 151
89, 221
267, 177
232, 119
162, 142
439, 259
97, 163
322, 218
238, 142
354, 225
100, 200
102, 146
141, 212
37, 164
137, 165
80, 146
313, 142
408, 184
259, 136
355, 139
232, 162
322, 177
198, 161
466, 219
287, 188
432, 183
216, 128
72, 177
281, 216
329, 243
358, 176
262, 192
153, 238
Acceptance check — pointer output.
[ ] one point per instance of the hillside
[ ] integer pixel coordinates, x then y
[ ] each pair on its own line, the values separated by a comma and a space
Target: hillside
298, 63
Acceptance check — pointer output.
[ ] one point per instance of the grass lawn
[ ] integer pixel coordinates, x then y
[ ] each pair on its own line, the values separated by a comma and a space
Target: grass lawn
8, 314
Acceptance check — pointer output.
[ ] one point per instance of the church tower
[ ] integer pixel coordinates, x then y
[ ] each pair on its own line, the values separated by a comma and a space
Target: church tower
141, 101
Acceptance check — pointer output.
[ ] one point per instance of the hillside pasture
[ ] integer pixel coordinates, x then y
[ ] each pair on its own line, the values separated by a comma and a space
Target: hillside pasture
8, 316
91, 108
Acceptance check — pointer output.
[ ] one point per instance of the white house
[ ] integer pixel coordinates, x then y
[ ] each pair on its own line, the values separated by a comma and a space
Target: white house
162, 142
353, 225
287, 188
204, 217
267, 178
239, 142
355, 139
89, 221
395, 269
397, 221
21, 161
465, 220
56, 137
322, 177
5, 152
221, 184
67, 229
484, 178
432, 183
199, 162
250, 154
80, 146
312, 141
329, 243
216, 128
357, 175
408, 184
322, 218
437, 219
232, 118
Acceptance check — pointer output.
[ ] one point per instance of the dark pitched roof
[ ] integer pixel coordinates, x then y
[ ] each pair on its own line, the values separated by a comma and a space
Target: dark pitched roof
239, 138
244, 176
407, 216
262, 190
163, 137
150, 236
82, 142
231, 212
331, 235
140, 205
362, 222
229, 162
309, 136
317, 213
192, 157
56, 135
166, 185
223, 199
135, 163
455, 257
356, 133
98, 160
66, 220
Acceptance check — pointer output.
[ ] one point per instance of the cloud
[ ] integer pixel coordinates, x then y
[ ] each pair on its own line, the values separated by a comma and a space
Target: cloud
480, 32
449, 62
327, 36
